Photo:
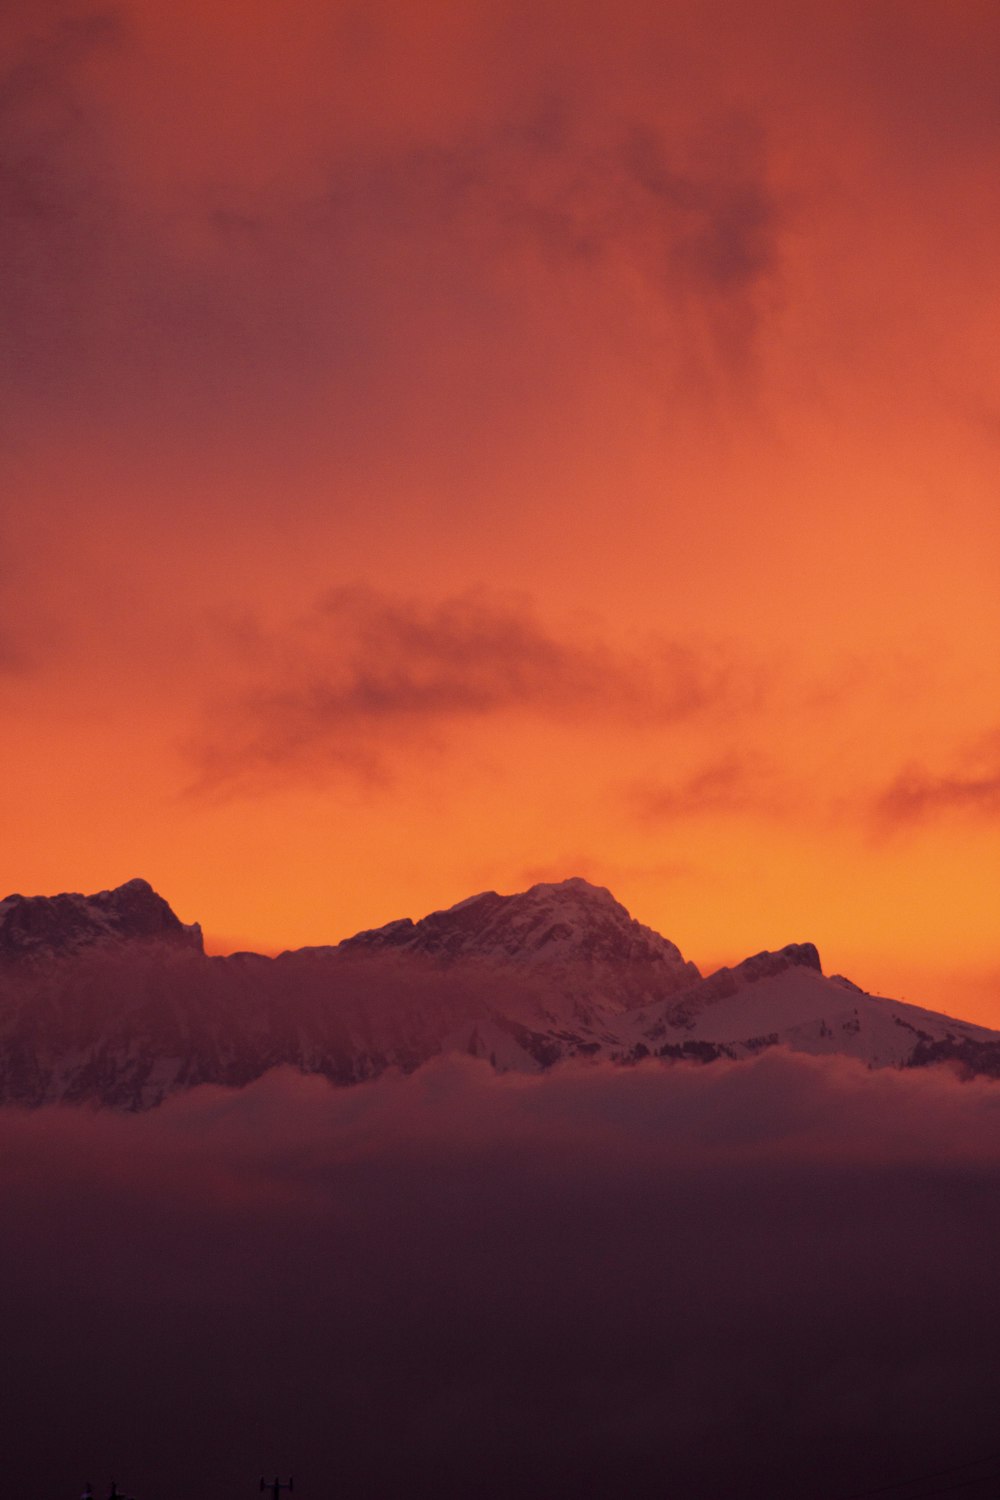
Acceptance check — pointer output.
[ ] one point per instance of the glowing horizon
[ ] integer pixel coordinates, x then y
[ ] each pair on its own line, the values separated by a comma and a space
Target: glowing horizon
450, 450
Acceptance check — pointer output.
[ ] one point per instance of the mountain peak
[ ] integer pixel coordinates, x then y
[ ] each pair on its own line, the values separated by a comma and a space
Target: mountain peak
553, 923
35, 928
792, 955
558, 971
725, 982
573, 884
574, 889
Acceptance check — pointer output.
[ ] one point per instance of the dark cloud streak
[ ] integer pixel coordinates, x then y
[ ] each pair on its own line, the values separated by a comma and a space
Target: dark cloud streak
733, 783
365, 671
919, 795
547, 184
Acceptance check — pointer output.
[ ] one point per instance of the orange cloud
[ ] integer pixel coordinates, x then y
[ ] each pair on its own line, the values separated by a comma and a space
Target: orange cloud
735, 783
679, 317
919, 795
344, 685
181, 297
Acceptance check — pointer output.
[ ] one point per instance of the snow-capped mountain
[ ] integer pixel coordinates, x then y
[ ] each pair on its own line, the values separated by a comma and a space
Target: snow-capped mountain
564, 922
572, 935
36, 928
110, 999
784, 999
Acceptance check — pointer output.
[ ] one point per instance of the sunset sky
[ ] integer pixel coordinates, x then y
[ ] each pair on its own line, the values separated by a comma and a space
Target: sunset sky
454, 445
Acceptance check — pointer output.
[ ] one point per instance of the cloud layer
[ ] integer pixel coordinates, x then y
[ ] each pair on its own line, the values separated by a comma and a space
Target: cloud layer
775, 1279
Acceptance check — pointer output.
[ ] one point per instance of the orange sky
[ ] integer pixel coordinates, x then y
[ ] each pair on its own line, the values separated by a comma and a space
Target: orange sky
447, 446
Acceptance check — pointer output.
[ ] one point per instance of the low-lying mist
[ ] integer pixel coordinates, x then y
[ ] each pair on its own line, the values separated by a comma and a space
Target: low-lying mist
775, 1278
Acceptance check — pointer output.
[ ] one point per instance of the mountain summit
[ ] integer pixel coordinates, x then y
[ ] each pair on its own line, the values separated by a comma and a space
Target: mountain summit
44, 927
558, 925
109, 998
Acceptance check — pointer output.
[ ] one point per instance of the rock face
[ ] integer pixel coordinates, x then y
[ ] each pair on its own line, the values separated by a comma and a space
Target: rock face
109, 999
576, 934
37, 928
570, 919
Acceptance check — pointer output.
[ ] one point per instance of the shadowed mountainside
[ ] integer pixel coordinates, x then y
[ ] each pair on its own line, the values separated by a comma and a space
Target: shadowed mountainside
109, 999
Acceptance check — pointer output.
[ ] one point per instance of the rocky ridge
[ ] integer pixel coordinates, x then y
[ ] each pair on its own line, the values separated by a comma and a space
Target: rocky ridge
109, 999
35, 929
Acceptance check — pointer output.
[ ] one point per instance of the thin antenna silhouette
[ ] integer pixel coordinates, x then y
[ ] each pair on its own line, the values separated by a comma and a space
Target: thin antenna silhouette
276, 1486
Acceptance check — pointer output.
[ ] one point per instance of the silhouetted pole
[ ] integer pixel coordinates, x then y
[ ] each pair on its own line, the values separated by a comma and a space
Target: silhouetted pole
276, 1486
113, 1494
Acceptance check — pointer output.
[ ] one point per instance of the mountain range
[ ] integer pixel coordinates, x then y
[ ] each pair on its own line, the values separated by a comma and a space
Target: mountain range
110, 999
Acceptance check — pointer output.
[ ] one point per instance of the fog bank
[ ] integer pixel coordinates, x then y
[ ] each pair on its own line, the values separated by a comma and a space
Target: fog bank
775, 1278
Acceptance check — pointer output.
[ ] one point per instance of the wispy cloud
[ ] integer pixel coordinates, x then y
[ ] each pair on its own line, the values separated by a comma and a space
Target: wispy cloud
363, 671
732, 783
918, 795
539, 178
965, 783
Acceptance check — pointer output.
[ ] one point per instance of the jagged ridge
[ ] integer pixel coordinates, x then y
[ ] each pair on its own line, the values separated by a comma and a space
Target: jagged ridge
568, 918
35, 928
110, 998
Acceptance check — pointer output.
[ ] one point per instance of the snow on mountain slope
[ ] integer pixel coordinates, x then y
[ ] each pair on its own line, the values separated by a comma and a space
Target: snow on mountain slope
110, 999
784, 999
558, 926
567, 955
